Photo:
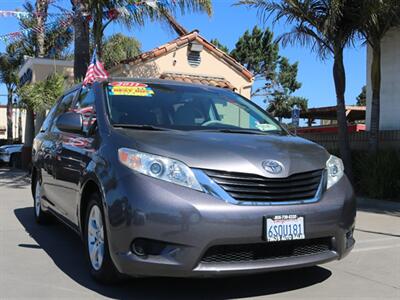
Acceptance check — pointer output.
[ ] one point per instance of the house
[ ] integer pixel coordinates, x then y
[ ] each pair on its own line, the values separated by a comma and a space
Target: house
18, 117
390, 88
189, 58
32, 70
37, 69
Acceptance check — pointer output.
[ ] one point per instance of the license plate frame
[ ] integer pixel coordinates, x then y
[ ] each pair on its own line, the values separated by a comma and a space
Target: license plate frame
288, 222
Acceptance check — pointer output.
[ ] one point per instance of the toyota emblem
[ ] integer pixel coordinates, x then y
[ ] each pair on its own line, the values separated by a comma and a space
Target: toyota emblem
272, 166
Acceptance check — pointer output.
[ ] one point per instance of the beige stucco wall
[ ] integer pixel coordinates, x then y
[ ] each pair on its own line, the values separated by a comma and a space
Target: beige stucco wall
42, 68
3, 122
177, 62
390, 89
41, 72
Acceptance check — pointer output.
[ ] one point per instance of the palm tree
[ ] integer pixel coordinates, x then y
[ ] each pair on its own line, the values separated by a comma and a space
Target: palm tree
376, 19
42, 7
328, 27
81, 29
9, 65
95, 9
40, 17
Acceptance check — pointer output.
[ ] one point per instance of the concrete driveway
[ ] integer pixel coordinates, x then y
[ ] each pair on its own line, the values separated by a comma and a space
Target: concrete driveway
47, 262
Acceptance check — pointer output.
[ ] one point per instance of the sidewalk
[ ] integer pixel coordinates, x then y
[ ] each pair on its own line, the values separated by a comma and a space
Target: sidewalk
378, 206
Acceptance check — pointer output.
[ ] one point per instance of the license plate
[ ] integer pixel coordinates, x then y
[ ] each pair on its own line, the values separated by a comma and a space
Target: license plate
284, 228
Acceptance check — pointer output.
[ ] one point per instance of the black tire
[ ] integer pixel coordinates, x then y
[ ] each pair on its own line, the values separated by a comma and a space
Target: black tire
41, 217
106, 272
13, 161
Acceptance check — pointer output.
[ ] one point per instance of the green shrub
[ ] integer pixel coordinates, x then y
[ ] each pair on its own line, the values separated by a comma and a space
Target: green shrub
377, 176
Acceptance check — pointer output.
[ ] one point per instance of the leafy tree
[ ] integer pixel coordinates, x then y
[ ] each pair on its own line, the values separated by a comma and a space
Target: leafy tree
220, 46
119, 47
9, 65
328, 27
41, 95
287, 76
259, 53
281, 106
362, 97
376, 18
282, 101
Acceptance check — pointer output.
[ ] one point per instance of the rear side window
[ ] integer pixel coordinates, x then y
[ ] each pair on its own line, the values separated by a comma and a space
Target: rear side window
64, 106
47, 122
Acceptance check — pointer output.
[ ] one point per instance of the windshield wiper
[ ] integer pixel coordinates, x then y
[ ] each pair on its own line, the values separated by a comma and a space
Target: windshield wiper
142, 127
242, 131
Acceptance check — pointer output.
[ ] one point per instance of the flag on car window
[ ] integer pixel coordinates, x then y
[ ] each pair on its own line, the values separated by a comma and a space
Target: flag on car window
95, 71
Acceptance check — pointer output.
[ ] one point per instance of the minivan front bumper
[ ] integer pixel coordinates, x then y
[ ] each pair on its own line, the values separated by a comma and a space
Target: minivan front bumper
187, 223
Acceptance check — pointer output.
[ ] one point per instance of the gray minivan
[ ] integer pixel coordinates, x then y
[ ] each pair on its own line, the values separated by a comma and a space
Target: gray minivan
162, 178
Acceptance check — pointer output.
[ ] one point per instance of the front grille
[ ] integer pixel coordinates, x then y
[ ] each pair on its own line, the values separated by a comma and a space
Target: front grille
266, 251
255, 188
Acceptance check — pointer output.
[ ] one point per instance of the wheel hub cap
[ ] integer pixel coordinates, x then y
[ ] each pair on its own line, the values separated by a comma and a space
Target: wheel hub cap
95, 237
38, 198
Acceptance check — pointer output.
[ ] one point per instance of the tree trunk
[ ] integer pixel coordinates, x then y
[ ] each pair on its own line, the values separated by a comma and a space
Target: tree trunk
40, 117
19, 124
339, 76
29, 135
9, 116
98, 34
41, 17
41, 9
82, 45
375, 103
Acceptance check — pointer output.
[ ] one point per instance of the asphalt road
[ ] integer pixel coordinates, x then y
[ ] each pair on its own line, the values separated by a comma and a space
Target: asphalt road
47, 262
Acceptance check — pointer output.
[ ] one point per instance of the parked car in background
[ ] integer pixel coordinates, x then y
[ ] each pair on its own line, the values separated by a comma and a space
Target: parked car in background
11, 154
162, 178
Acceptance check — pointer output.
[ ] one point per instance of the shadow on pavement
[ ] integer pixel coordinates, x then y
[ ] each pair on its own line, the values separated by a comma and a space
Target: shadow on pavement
14, 178
65, 248
379, 206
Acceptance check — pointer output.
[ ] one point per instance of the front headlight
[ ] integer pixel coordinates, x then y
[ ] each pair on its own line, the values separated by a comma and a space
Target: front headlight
335, 168
159, 167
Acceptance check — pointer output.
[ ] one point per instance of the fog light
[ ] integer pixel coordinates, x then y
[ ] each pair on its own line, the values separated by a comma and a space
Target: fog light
138, 248
143, 247
349, 238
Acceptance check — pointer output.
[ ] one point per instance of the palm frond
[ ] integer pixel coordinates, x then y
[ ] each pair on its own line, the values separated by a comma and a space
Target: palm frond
322, 25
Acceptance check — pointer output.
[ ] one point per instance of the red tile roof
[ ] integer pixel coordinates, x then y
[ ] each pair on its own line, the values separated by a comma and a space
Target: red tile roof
206, 80
183, 40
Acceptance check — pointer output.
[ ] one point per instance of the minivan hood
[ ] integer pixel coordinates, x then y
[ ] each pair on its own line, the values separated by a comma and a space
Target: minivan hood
231, 152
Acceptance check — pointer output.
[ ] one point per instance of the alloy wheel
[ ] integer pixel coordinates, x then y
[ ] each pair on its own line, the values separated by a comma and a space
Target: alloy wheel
95, 237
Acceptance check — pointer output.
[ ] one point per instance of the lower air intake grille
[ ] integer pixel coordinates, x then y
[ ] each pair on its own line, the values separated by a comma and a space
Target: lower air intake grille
265, 251
255, 188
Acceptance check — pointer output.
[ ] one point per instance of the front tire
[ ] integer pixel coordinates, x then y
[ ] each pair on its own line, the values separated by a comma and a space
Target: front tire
41, 217
96, 244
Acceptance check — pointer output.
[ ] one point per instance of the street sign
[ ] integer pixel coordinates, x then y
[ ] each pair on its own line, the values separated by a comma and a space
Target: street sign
295, 116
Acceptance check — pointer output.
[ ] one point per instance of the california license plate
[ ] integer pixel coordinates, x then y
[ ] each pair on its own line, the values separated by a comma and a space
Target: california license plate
284, 228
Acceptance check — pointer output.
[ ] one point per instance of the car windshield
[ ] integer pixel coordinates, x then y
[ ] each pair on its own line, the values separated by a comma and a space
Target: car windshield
185, 108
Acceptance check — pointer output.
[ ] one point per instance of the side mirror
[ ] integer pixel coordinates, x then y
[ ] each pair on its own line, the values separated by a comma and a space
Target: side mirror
288, 128
70, 122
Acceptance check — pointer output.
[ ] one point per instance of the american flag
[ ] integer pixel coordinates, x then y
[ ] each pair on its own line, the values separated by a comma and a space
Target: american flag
95, 71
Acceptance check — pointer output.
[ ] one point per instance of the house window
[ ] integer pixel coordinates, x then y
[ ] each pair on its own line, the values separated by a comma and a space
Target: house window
194, 58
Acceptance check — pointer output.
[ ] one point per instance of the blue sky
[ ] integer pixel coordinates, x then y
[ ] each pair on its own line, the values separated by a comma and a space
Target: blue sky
227, 24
